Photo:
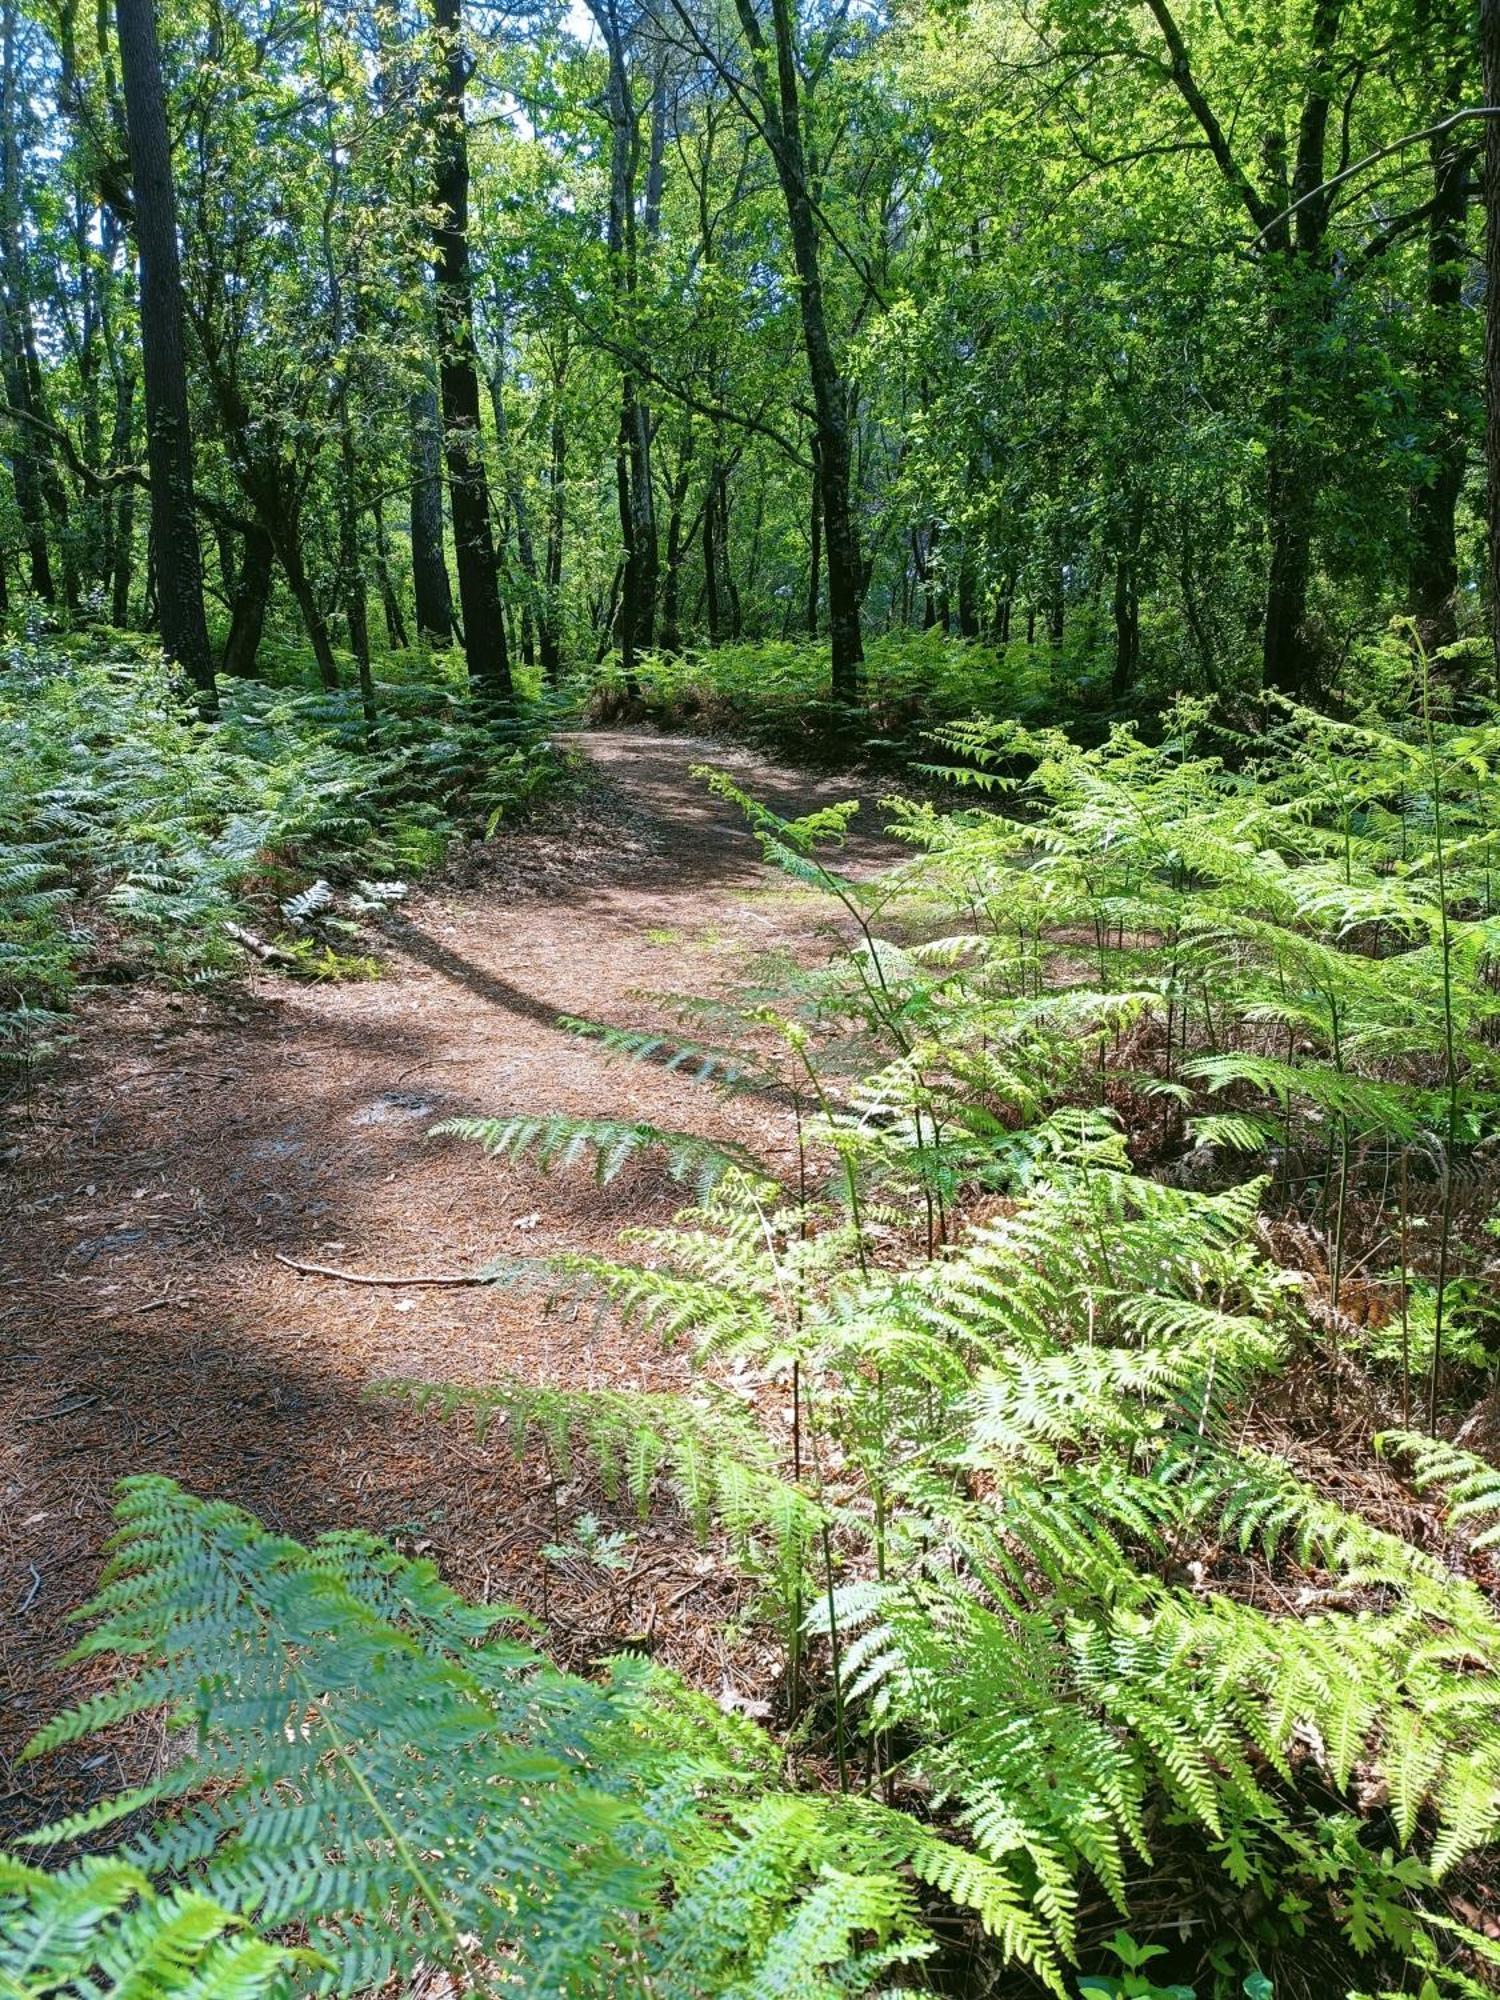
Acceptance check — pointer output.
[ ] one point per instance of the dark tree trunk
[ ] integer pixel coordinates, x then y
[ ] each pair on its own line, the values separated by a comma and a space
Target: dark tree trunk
248, 617
122, 532
15, 318
815, 544
671, 587
468, 486
780, 101
1434, 503
429, 565
634, 493
1127, 600
1489, 40
169, 448
713, 604
1295, 253
557, 472
395, 624
515, 491
1489, 43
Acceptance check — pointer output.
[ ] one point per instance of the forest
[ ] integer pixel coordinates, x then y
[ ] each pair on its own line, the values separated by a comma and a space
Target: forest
750, 999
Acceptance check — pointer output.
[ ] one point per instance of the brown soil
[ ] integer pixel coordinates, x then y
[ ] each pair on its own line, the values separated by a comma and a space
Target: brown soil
180, 1143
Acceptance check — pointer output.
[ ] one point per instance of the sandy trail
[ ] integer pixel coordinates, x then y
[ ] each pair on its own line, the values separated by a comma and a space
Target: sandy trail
180, 1143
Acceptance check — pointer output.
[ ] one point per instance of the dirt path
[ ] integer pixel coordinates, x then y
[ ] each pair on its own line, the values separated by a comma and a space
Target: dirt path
145, 1324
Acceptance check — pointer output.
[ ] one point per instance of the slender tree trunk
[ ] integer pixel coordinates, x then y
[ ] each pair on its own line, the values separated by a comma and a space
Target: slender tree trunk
671, 588
1294, 248
248, 616
713, 602
169, 448
780, 99
15, 317
1489, 42
289, 555
634, 494
468, 486
1434, 503
815, 544
968, 607
557, 473
390, 603
515, 489
122, 528
1127, 600
429, 564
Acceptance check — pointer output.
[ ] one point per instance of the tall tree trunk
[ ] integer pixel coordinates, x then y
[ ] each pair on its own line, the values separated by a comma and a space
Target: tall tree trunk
468, 487
634, 493
15, 316
285, 541
1295, 253
671, 586
390, 603
713, 602
557, 475
343, 326
122, 526
1489, 48
248, 616
429, 565
968, 604
169, 447
1434, 503
515, 488
1127, 601
815, 544
780, 101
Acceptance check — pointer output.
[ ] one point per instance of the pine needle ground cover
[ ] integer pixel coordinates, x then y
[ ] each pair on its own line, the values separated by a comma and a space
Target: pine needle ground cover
1144, 1138
132, 835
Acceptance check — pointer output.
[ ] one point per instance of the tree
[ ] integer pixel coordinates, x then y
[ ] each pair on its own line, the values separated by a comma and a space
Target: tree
468, 484
778, 96
169, 445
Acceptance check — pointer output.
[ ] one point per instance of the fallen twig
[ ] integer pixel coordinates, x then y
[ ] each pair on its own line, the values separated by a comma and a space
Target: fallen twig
62, 1410
380, 1278
269, 954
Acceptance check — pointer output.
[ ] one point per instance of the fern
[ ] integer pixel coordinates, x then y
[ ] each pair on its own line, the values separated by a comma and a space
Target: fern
1471, 1484
562, 1142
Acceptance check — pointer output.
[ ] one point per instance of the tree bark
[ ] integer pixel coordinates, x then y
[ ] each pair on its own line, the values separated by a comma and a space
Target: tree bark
468, 486
781, 106
15, 315
122, 526
1295, 251
1127, 602
634, 493
1434, 502
815, 544
1489, 44
557, 473
671, 584
429, 564
395, 624
515, 489
248, 615
169, 448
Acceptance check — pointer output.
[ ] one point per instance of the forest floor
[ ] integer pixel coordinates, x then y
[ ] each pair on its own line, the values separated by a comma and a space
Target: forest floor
181, 1142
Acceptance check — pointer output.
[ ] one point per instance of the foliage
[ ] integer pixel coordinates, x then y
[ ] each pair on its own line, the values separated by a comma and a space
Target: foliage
1038, 1566
122, 815
777, 692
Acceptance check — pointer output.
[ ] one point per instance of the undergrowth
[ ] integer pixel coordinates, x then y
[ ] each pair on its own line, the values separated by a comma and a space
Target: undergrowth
131, 834
1145, 1138
776, 693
